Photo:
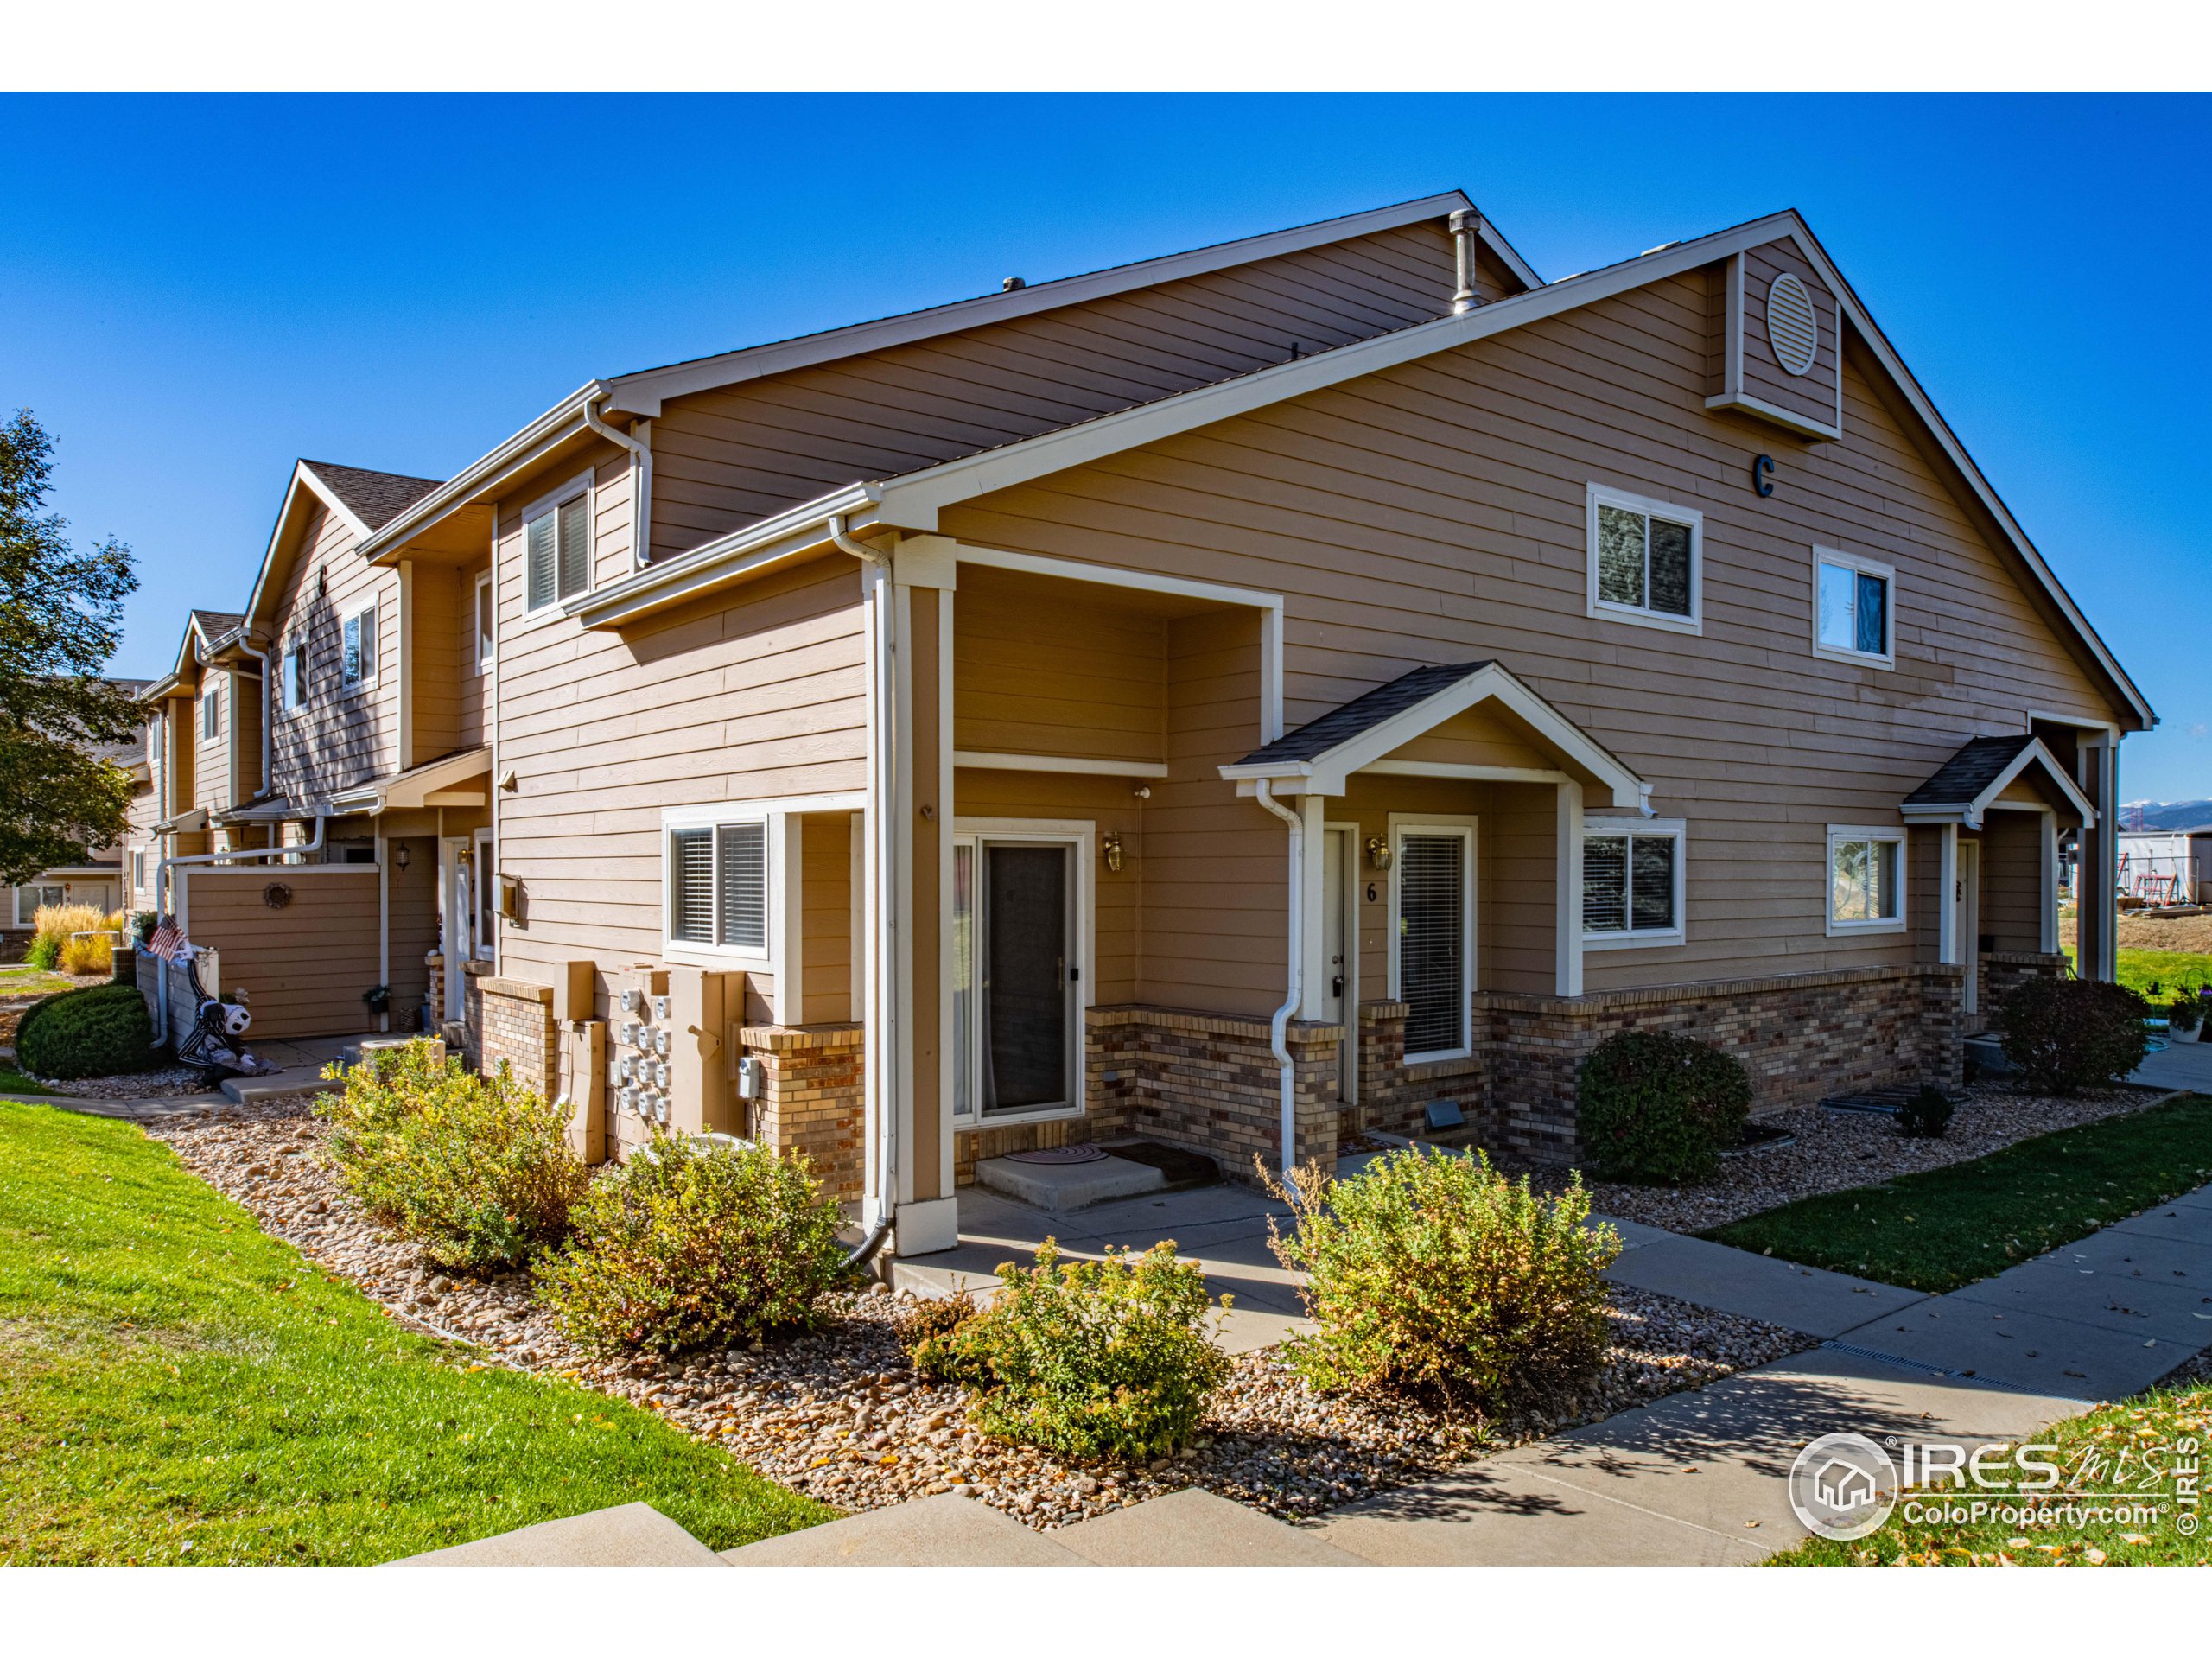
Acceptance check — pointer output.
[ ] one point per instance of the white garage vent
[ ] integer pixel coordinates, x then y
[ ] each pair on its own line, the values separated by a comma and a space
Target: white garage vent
1793, 326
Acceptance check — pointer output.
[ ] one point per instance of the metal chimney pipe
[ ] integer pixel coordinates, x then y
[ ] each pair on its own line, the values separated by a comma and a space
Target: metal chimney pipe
1467, 225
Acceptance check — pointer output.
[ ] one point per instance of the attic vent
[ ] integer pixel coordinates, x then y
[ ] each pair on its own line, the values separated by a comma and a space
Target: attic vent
1793, 327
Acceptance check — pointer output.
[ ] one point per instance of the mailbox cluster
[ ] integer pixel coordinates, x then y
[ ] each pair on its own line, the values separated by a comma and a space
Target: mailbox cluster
638, 1073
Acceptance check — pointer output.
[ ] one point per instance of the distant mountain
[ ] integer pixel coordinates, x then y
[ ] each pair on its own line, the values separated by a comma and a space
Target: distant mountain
2165, 814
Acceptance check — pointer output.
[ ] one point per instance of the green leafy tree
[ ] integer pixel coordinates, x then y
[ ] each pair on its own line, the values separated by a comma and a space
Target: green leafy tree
61, 614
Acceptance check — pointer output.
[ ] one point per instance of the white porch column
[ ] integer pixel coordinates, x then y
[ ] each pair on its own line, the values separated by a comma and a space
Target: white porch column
1946, 898
1566, 949
2047, 866
1313, 938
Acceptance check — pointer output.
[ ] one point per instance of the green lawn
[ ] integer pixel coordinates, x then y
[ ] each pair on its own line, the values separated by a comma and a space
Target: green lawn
13, 1082
175, 1386
2171, 971
2161, 1422
1949, 1227
22, 980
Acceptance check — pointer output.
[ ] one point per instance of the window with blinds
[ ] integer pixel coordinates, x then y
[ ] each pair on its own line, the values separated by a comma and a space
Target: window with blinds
1633, 882
718, 886
1432, 942
557, 552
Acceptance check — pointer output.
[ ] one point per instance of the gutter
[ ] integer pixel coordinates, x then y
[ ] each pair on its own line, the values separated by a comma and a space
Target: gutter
791, 534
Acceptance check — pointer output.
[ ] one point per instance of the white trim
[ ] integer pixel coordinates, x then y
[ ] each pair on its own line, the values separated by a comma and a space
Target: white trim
487, 592
1355, 849
2047, 940
585, 484
1466, 827
1466, 771
1567, 933
1970, 812
297, 645
1633, 938
1596, 495
787, 917
363, 682
2048, 718
1896, 834
766, 811
944, 802
211, 710
1946, 896
993, 760
1775, 412
1859, 564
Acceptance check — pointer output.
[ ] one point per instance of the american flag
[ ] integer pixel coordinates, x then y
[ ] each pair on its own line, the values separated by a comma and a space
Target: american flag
167, 942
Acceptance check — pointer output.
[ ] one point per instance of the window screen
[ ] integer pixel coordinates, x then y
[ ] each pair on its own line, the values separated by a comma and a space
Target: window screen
1644, 563
1863, 880
1432, 944
1855, 610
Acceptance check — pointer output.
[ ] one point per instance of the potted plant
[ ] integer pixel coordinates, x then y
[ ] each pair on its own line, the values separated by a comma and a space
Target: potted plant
379, 997
2185, 1018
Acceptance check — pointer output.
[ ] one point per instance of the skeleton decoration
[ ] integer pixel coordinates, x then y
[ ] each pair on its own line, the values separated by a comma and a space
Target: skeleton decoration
212, 1046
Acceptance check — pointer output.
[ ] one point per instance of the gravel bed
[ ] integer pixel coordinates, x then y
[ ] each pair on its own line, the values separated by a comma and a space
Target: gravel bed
1835, 1150
133, 1085
841, 1415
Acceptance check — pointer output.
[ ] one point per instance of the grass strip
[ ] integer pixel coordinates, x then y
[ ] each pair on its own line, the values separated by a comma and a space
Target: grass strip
1944, 1228
176, 1386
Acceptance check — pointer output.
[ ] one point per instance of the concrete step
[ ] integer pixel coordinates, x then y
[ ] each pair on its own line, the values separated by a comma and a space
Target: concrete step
1195, 1527
246, 1092
940, 1531
1061, 1187
630, 1535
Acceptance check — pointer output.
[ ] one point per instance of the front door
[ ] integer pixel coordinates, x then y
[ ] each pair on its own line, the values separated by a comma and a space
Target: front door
456, 930
1967, 906
1017, 981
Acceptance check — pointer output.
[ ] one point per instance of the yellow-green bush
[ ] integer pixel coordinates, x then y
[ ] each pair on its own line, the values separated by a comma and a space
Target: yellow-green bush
478, 1169
92, 955
51, 926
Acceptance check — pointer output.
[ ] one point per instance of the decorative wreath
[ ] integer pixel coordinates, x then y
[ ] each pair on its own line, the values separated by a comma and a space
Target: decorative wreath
276, 895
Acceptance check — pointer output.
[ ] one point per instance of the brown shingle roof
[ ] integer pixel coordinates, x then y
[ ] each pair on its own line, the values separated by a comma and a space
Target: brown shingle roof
375, 499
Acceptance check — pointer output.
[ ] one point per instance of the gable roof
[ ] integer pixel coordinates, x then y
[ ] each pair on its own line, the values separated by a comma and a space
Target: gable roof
1962, 788
371, 500
642, 392
914, 500
1325, 752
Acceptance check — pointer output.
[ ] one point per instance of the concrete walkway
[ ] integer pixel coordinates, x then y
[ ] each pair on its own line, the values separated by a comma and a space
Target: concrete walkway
2178, 1065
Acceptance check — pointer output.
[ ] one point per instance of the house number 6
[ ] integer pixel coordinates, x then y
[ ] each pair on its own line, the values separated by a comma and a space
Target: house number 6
1370, 892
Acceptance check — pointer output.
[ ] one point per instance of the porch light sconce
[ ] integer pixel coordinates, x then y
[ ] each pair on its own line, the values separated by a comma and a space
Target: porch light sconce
1111, 849
401, 855
1378, 852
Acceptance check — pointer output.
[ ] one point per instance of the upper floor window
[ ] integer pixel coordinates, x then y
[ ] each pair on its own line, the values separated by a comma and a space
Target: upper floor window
1632, 882
1854, 608
556, 546
295, 675
486, 623
1646, 561
211, 713
1866, 881
718, 884
359, 660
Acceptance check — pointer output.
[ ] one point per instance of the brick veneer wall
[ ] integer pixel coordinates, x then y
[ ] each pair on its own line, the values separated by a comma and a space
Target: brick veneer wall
1800, 1036
2003, 972
1210, 1082
1393, 1094
813, 1100
511, 1019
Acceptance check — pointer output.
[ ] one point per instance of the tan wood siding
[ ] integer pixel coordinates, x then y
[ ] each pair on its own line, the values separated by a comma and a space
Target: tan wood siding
303, 967
1812, 394
440, 630
826, 929
413, 896
2011, 879
1057, 667
341, 738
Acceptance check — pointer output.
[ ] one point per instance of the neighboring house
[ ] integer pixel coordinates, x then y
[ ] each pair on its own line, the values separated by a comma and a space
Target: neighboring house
1238, 699
103, 880
2167, 866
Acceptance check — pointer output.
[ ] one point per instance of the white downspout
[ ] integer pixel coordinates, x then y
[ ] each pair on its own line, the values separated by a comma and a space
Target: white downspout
885, 823
1278, 1027
641, 485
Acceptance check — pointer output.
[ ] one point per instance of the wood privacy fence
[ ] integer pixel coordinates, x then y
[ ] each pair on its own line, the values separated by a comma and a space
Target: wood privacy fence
303, 963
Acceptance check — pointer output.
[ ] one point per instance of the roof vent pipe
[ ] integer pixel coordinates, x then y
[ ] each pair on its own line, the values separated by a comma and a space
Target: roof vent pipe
1011, 283
1467, 225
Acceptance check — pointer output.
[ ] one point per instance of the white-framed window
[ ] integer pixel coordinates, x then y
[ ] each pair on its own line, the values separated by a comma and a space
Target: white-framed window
138, 870
358, 650
556, 545
484, 889
28, 900
1854, 608
211, 712
1432, 933
719, 891
1867, 873
1633, 883
295, 675
1647, 561
486, 623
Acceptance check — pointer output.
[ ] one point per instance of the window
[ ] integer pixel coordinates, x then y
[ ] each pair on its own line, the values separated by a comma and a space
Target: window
295, 675
1433, 900
486, 895
485, 623
137, 870
211, 713
556, 546
718, 886
28, 900
1854, 609
358, 659
1866, 881
1633, 882
1646, 561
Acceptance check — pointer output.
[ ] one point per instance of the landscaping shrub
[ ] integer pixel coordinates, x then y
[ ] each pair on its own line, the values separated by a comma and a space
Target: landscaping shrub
94, 954
1089, 1359
98, 1032
478, 1169
924, 1327
685, 1247
1659, 1107
1926, 1115
52, 924
1433, 1274
2069, 1034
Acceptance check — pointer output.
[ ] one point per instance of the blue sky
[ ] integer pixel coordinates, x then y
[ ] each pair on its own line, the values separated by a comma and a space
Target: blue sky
195, 292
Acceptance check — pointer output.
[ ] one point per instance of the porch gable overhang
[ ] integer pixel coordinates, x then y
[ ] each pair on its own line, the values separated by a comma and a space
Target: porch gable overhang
435, 783
1320, 756
1965, 786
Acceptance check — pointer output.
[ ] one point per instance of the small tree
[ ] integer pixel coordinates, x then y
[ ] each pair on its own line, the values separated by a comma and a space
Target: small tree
61, 612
